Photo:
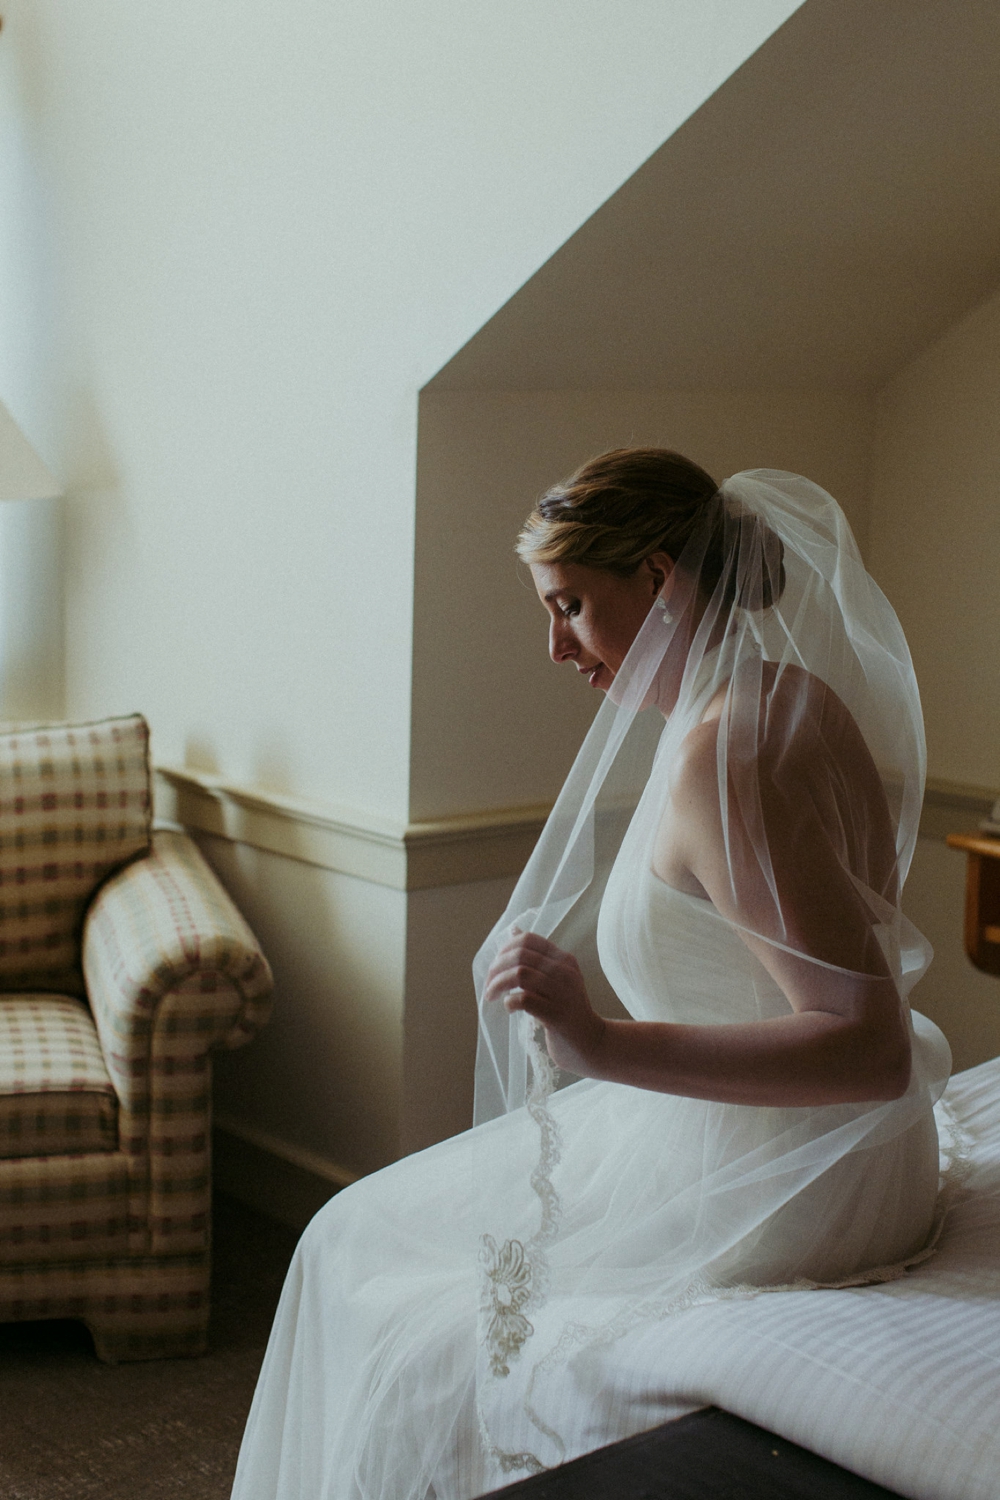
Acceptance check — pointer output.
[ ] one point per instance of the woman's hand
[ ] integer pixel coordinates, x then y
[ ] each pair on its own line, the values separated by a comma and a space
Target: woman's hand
529, 973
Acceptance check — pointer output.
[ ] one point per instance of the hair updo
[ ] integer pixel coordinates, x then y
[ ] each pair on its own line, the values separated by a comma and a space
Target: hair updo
623, 506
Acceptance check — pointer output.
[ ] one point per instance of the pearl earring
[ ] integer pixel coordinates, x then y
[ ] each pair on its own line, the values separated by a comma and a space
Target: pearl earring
668, 618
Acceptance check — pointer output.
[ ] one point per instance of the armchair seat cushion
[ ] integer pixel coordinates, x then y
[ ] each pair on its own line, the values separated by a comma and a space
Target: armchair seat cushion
56, 1097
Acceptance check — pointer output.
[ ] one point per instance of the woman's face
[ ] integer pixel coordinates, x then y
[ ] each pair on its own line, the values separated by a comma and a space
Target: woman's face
595, 616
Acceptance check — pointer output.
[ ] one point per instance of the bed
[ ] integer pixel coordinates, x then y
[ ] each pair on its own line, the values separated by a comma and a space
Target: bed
898, 1384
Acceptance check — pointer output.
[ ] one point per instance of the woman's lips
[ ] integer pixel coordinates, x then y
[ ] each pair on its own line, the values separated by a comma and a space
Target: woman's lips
592, 673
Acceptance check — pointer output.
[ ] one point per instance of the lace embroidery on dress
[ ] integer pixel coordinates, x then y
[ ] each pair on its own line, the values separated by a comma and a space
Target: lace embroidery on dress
506, 1289
515, 1275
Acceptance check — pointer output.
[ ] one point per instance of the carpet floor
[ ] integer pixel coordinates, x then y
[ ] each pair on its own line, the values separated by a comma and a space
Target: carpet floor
74, 1429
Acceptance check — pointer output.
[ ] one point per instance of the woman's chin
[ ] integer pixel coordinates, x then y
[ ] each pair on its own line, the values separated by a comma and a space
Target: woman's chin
653, 697
615, 690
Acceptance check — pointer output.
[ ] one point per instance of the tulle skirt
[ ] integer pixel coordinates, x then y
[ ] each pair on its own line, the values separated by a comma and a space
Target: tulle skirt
431, 1343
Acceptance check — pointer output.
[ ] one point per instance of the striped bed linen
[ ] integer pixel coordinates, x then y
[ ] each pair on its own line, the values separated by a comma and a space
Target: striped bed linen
899, 1382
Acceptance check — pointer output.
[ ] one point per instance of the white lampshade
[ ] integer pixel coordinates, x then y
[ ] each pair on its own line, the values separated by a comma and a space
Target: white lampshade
23, 476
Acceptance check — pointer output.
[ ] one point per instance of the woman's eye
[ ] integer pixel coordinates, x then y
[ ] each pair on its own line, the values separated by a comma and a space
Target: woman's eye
571, 609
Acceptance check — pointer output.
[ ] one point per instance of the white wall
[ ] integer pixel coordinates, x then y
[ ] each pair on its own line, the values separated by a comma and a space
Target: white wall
270, 228
31, 611
446, 925
31, 579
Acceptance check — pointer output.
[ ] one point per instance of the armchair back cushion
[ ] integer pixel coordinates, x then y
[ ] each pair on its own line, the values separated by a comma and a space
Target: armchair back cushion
74, 804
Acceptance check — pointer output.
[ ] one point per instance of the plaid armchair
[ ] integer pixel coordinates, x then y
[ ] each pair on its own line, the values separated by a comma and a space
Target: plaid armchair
123, 963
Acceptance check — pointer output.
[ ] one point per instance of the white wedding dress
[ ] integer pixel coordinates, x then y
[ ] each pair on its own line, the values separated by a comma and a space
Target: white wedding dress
443, 1323
452, 1322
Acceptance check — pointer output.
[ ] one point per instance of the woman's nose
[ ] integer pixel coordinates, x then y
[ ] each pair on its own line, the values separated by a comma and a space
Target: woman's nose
562, 643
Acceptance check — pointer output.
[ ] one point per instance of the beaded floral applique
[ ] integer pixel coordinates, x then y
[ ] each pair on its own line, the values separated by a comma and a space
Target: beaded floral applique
506, 1289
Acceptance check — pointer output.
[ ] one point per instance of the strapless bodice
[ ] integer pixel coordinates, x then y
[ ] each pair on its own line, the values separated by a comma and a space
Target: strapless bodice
672, 957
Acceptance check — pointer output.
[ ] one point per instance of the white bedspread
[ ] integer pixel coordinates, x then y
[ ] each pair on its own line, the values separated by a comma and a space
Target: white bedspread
900, 1383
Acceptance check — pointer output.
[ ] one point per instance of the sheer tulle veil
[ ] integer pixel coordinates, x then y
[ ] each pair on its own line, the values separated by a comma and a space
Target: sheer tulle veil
828, 626
820, 754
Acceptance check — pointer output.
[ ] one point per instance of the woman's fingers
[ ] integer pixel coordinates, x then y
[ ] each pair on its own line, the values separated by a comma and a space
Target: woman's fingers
531, 974
516, 976
524, 961
530, 942
543, 1007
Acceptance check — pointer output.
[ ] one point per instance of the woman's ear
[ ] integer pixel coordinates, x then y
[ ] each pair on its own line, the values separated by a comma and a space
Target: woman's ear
659, 566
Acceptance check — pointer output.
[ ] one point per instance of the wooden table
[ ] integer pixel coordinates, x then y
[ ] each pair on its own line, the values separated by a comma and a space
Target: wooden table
982, 898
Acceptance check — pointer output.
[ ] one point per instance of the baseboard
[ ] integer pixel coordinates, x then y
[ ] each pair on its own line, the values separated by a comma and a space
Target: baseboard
286, 1182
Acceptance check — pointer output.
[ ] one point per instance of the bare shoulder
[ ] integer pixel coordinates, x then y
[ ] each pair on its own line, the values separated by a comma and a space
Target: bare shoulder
692, 816
694, 773
807, 732
798, 720
810, 762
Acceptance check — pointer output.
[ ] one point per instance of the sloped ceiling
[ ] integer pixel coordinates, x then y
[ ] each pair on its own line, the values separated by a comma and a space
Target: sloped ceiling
819, 220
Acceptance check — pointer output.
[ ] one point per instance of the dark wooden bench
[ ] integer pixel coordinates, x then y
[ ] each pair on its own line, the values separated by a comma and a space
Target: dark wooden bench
709, 1455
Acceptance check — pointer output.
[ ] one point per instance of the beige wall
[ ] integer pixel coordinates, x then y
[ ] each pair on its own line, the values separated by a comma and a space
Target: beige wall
935, 541
495, 723
31, 610
326, 1073
935, 549
31, 578
446, 925
964, 1002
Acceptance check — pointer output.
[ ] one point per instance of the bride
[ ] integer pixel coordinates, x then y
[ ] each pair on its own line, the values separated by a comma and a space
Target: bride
726, 857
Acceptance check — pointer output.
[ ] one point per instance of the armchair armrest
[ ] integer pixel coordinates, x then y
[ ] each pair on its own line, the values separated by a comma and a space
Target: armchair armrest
172, 971
163, 926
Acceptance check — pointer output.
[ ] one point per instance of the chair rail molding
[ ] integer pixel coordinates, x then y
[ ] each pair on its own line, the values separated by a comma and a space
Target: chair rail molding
455, 850
953, 807
488, 845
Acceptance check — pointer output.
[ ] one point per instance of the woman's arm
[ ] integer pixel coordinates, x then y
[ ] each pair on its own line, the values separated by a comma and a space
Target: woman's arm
811, 1057
846, 1039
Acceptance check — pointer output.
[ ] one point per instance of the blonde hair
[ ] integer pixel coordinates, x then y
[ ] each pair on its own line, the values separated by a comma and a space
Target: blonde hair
623, 506
618, 509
